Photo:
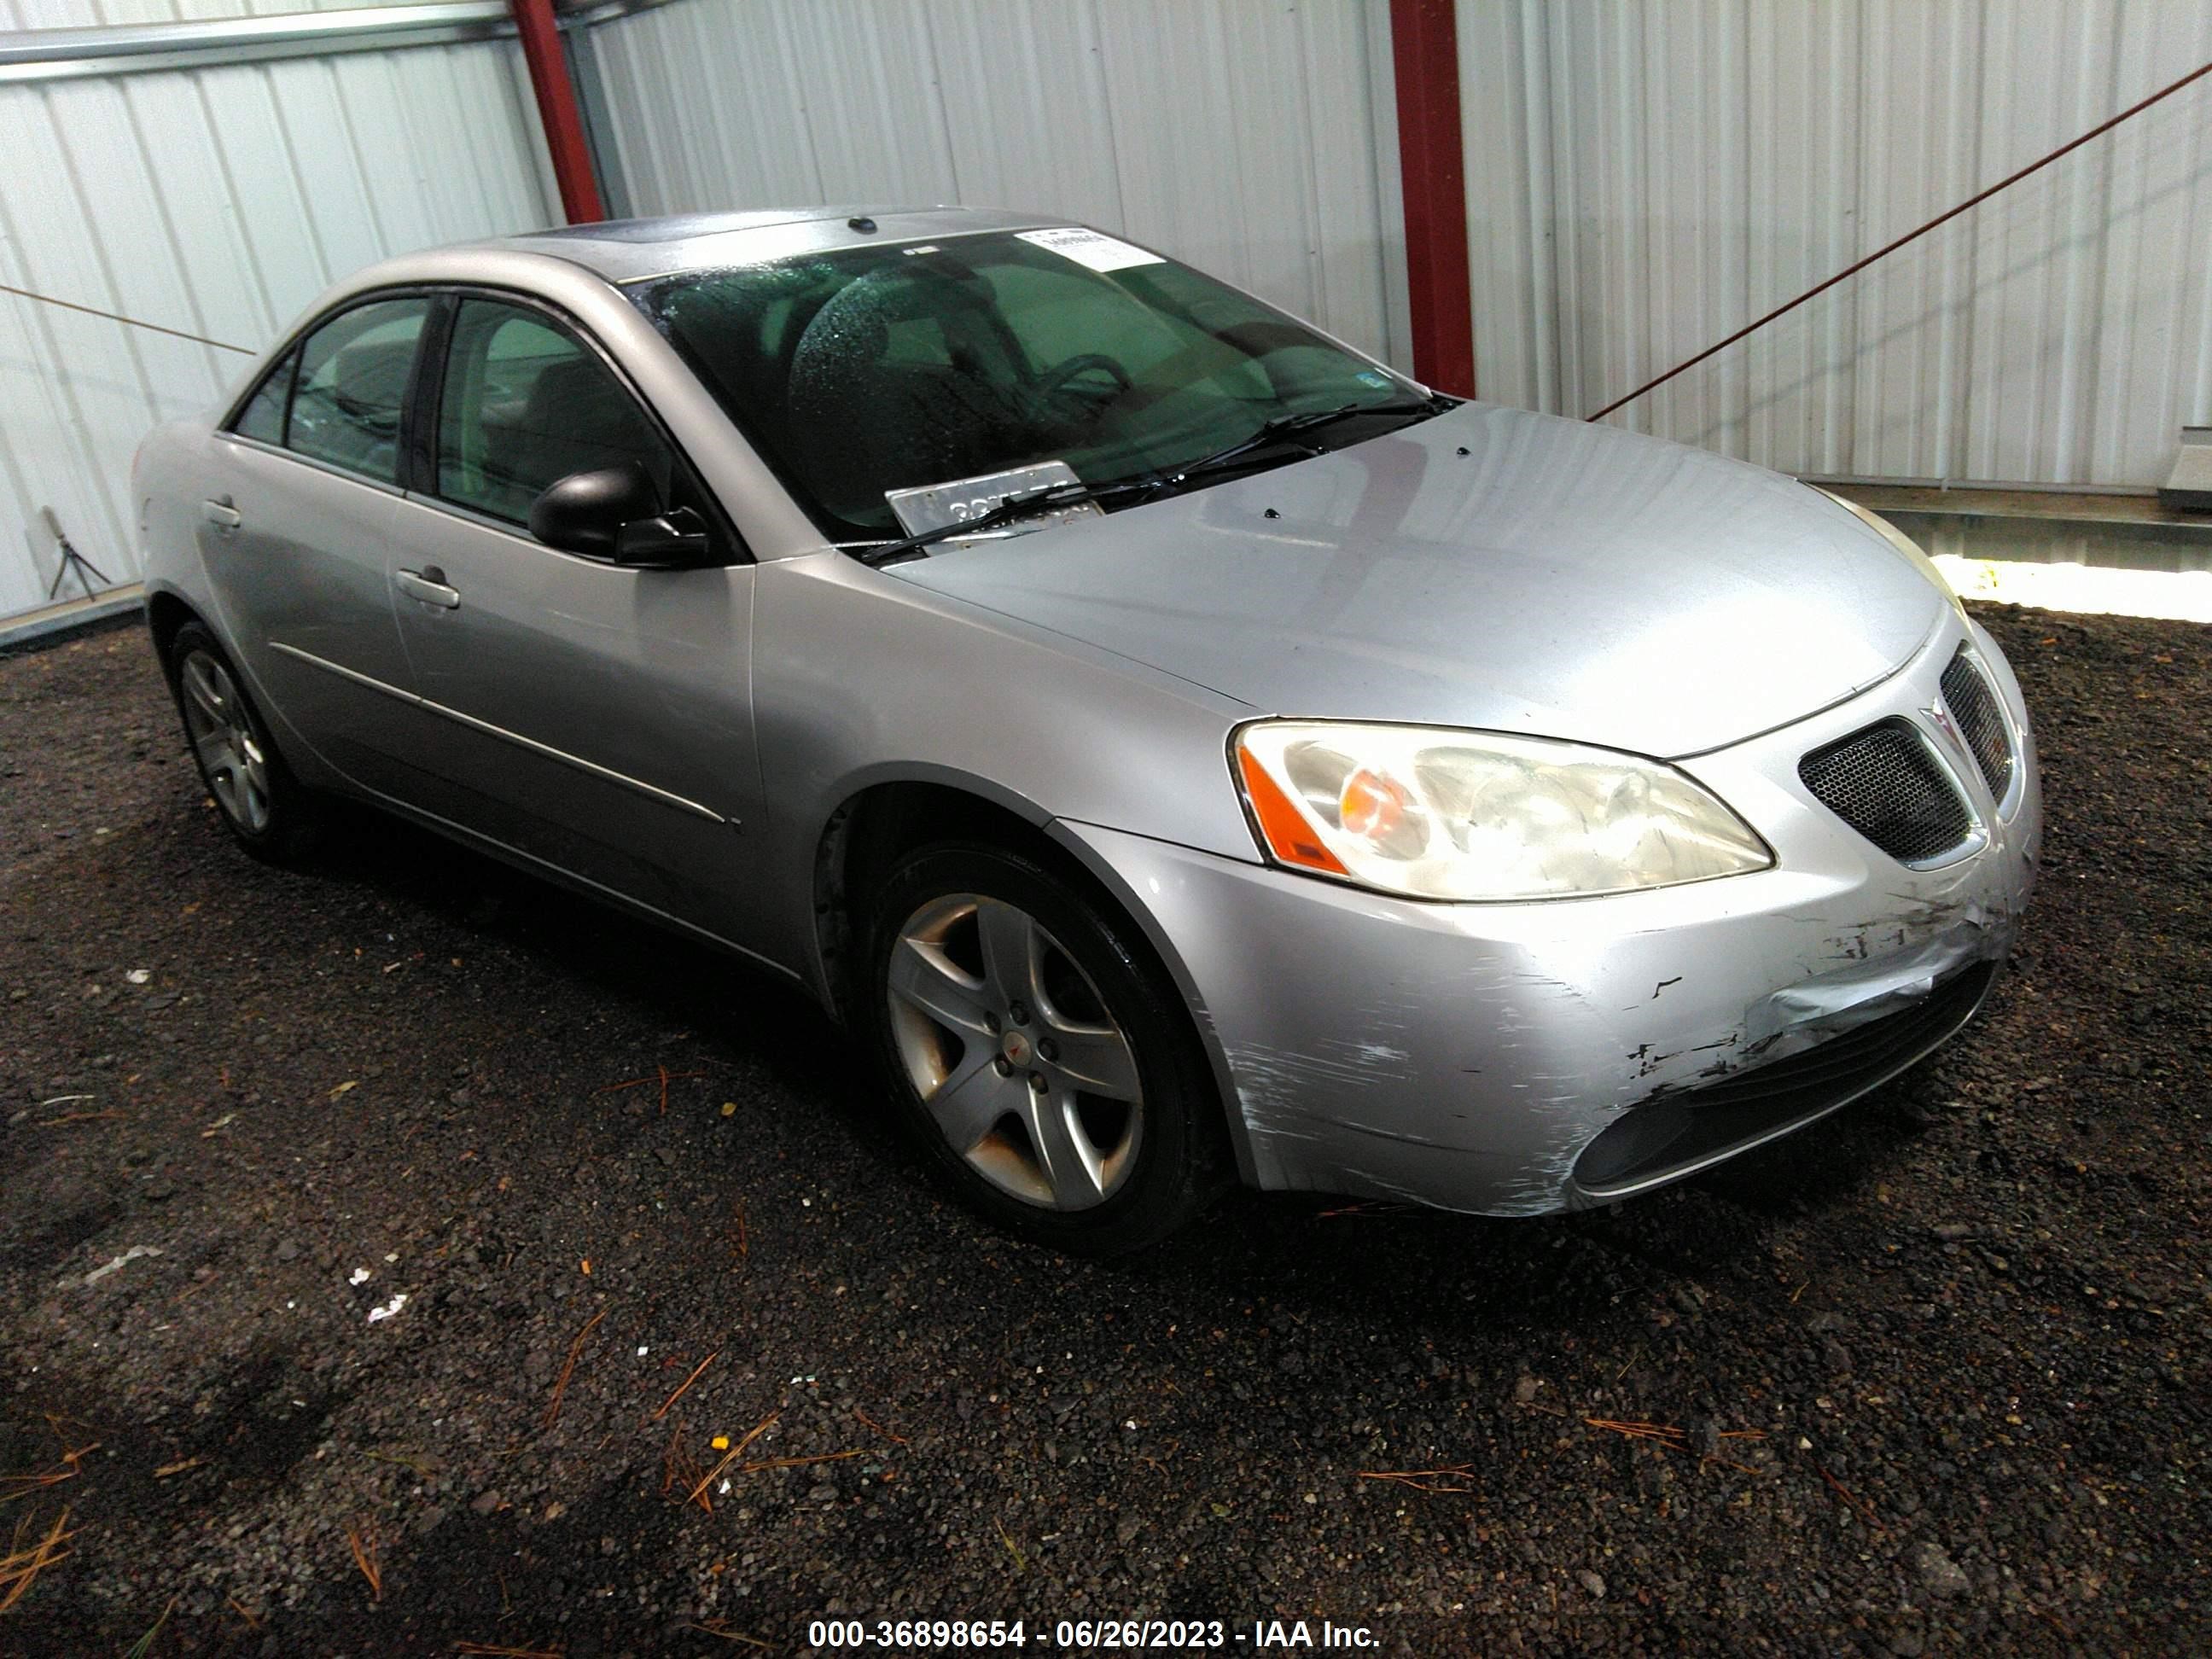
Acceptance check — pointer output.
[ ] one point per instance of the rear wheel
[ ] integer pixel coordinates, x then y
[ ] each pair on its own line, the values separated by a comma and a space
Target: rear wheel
263, 806
1036, 1053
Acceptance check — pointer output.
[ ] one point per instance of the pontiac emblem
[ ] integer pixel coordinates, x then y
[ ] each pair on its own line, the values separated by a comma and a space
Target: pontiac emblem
1939, 718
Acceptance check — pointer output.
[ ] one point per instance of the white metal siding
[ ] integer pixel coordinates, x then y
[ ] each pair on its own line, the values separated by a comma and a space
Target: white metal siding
95, 14
1254, 138
218, 201
1645, 180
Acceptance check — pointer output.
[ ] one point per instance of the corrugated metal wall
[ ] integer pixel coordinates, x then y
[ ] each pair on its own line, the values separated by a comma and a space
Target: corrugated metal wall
1645, 180
1256, 138
1641, 180
218, 201
29, 14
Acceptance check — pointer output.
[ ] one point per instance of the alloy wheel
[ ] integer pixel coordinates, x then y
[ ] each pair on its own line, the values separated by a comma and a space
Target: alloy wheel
230, 755
1017, 1059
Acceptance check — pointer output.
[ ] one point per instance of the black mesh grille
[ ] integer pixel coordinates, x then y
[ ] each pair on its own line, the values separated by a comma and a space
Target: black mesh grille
1884, 783
1966, 694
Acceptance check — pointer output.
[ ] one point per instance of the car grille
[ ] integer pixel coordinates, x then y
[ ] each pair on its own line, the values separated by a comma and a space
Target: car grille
1974, 705
1884, 784
1692, 1125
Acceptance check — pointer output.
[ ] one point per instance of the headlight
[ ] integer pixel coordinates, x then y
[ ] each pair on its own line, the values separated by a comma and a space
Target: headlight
1437, 814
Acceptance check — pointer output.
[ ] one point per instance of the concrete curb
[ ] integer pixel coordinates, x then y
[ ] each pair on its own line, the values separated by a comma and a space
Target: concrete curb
70, 617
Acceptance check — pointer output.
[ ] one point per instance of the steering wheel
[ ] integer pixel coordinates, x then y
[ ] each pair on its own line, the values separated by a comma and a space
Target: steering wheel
1058, 377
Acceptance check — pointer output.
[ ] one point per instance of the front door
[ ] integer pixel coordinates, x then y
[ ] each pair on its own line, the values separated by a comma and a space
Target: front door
592, 715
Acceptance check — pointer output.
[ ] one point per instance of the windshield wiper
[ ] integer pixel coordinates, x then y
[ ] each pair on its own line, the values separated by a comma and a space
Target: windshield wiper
1278, 428
1282, 428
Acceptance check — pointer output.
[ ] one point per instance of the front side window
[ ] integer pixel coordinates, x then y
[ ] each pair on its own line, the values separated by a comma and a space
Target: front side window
351, 387
876, 369
525, 404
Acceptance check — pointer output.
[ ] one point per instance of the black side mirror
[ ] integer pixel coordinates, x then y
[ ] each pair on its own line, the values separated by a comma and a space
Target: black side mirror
614, 512
678, 537
584, 512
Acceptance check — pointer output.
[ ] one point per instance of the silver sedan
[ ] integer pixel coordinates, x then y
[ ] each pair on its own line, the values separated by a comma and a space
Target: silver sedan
1182, 748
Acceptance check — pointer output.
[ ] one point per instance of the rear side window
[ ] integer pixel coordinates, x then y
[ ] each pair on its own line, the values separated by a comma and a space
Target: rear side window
263, 418
525, 404
351, 386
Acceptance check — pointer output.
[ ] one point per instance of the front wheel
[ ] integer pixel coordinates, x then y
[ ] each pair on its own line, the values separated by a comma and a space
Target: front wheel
1043, 1061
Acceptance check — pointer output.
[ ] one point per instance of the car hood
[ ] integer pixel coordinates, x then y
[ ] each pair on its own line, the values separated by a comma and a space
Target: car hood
1491, 568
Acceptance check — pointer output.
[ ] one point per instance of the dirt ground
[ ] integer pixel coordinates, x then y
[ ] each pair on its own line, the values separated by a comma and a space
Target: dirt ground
1932, 1376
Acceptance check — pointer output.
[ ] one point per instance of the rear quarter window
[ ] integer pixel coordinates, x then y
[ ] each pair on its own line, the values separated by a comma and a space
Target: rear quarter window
263, 418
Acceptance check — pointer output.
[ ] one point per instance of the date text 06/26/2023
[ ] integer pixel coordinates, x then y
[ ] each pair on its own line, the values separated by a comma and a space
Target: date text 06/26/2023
1086, 1635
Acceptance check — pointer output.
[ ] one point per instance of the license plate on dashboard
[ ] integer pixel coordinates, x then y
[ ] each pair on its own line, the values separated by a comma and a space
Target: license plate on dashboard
934, 506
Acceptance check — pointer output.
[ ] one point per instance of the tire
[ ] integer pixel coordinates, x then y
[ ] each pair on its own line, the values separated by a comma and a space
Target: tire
1044, 1064
267, 810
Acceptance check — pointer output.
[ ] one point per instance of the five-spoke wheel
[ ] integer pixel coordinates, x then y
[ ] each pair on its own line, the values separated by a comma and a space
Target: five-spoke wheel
1044, 1059
262, 804
229, 756
1013, 1052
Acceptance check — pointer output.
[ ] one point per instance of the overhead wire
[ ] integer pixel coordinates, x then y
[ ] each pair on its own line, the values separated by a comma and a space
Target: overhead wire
1975, 200
118, 316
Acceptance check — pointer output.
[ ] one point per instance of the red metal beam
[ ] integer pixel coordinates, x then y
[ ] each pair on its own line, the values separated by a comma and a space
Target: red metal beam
557, 112
1424, 53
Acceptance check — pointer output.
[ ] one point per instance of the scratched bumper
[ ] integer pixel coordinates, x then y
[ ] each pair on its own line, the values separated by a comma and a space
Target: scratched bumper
1466, 1055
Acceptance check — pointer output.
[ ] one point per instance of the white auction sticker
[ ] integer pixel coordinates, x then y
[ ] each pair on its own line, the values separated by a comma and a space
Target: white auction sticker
1089, 247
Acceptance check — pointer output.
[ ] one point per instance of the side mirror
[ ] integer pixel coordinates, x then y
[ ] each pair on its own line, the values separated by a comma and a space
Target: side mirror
584, 512
678, 537
615, 512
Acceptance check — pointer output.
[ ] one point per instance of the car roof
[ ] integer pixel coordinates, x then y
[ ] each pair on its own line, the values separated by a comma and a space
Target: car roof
633, 250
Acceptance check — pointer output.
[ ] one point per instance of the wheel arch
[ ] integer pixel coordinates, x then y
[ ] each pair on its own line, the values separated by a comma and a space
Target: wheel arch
167, 611
884, 817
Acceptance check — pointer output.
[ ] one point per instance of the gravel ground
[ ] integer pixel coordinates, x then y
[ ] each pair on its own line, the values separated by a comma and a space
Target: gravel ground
1932, 1374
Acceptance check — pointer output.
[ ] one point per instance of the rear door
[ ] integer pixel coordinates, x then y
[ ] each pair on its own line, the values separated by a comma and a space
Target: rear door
298, 503
591, 714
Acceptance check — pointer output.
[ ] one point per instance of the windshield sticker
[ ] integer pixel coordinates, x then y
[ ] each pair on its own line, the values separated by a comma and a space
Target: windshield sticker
1088, 247
1368, 377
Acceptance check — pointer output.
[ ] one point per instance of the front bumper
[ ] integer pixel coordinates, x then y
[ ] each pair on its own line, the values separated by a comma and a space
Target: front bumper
1470, 1056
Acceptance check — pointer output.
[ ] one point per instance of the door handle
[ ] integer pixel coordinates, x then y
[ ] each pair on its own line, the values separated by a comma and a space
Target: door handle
428, 585
220, 514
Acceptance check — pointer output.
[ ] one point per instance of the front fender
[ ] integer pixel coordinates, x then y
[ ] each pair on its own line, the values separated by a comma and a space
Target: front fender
861, 679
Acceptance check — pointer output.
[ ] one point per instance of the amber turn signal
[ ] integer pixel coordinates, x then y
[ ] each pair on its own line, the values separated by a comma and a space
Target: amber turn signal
1288, 836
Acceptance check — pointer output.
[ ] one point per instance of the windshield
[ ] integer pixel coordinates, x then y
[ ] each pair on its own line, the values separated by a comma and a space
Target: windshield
872, 370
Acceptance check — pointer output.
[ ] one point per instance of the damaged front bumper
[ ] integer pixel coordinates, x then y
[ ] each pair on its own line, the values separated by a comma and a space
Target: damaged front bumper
1516, 1059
